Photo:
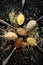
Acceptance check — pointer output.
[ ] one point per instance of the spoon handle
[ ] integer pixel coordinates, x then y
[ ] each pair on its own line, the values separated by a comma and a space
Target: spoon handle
40, 48
23, 2
6, 60
3, 22
39, 18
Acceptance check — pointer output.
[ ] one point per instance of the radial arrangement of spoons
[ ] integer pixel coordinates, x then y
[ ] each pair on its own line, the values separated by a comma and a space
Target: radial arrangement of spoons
25, 34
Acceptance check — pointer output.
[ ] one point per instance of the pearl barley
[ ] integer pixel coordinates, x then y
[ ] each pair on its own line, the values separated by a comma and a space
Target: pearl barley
31, 24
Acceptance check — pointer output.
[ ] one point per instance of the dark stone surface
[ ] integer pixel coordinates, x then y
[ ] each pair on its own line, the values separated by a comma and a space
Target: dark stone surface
33, 9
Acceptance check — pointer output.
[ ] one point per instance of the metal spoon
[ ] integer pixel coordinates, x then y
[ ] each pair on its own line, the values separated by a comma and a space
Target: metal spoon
23, 2
3, 22
7, 59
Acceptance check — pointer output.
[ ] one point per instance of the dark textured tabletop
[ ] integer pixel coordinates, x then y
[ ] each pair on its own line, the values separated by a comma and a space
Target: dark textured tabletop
33, 9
